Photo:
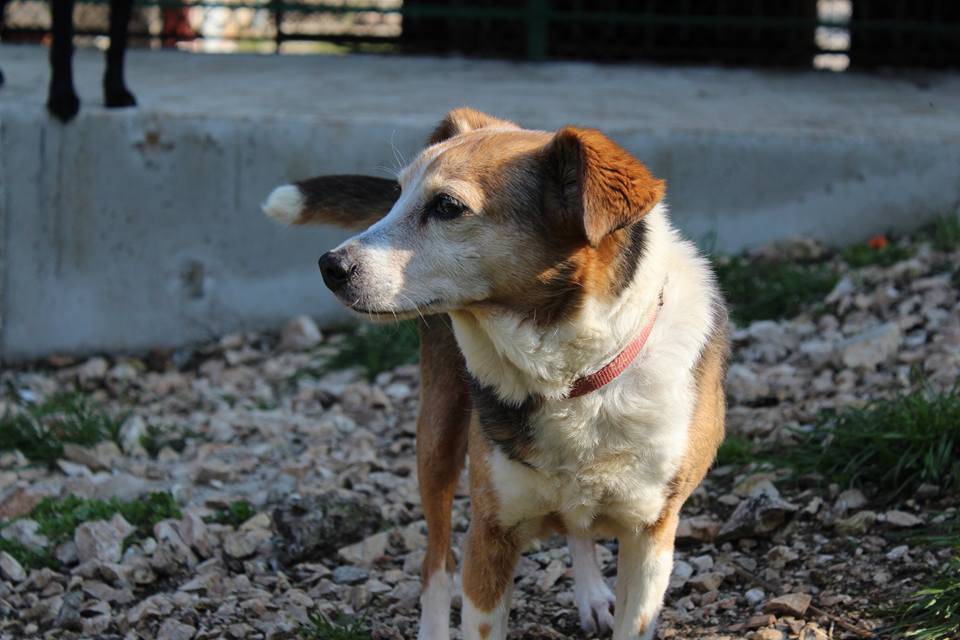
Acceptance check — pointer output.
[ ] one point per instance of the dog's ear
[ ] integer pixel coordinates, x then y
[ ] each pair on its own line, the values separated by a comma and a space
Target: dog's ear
595, 186
350, 202
463, 120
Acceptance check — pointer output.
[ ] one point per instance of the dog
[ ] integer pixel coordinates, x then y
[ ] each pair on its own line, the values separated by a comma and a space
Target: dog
571, 342
62, 100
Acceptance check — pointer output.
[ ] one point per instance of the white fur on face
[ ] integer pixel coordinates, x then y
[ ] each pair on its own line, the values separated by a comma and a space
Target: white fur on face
409, 263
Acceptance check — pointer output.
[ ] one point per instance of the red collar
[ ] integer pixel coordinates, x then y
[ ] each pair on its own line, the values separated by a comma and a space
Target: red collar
618, 365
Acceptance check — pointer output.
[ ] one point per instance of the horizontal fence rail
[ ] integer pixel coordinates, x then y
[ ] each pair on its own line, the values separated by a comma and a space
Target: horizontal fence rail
755, 32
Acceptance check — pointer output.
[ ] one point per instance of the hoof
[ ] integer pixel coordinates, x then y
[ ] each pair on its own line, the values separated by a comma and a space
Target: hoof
118, 98
63, 105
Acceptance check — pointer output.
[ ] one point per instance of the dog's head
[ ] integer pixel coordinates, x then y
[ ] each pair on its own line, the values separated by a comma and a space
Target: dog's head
492, 214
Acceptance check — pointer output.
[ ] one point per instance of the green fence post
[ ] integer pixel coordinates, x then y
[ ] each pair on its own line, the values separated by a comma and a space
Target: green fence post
537, 17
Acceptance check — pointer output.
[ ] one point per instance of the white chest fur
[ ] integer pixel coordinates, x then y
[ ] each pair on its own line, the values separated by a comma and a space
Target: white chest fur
611, 453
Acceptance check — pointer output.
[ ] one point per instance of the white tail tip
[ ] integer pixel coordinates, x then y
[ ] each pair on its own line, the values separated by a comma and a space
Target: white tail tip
284, 204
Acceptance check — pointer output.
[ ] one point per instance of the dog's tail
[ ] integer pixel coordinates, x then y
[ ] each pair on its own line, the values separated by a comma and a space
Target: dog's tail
347, 201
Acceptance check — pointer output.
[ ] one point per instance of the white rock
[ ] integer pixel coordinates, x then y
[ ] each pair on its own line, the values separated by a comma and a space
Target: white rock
551, 574
902, 519
754, 596
897, 552
869, 348
25, 532
365, 552
300, 333
849, 500
98, 540
744, 385
10, 569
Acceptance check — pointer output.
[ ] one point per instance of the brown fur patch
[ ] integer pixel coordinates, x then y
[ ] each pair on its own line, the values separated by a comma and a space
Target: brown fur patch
442, 426
484, 630
600, 187
350, 202
706, 428
491, 550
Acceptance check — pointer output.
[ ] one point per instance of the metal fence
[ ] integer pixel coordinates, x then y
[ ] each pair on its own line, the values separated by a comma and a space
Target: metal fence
801, 33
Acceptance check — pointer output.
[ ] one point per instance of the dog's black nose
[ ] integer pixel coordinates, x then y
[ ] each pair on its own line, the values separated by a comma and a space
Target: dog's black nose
336, 270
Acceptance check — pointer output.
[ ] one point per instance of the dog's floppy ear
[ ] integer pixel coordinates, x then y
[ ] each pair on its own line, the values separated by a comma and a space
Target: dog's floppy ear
595, 185
463, 120
350, 202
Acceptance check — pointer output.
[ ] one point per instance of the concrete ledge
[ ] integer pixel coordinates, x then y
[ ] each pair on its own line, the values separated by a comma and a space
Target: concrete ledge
130, 229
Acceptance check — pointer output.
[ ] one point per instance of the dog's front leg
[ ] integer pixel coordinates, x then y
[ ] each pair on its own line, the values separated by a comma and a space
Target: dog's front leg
490, 559
594, 598
643, 573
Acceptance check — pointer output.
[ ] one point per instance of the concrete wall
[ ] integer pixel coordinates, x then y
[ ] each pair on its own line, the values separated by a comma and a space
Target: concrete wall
136, 228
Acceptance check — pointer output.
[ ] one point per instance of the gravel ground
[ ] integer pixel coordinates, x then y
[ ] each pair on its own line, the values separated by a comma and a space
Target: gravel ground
326, 461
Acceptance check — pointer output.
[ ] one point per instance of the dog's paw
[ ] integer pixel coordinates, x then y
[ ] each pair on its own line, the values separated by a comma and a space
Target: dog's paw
117, 97
63, 104
595, 605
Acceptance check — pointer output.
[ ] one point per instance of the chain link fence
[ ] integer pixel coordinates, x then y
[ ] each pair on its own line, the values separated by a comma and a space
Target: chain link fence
796, 33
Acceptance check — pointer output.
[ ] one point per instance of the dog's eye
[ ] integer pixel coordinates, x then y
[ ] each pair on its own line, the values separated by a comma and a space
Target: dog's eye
445, 207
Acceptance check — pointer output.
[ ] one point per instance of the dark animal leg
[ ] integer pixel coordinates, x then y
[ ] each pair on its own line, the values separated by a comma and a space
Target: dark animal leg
62, 100
115, 92
3, 5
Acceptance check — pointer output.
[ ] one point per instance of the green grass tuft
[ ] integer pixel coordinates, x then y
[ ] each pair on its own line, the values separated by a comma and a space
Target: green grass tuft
933, 613
895, 444
342, 627
374, 348
863, 255
58, 518
40, 431
944, 233
234, 515
735, 450
765, 290
156, 438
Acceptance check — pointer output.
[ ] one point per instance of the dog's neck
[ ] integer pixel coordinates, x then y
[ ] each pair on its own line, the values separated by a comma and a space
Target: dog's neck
519, 358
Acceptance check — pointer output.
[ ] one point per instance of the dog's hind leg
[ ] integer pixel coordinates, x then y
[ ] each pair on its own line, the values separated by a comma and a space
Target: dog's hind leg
115, 92
590, 591
62, 100
442, 428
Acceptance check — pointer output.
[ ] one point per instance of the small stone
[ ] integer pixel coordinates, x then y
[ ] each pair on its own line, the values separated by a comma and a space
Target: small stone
365, 552
754, 596
759, 514
349, 574
10, 568
745, 386
849, 500
682, 571
697, 529
551, 574
25, 532
857, 523
85, 456
791, 604
897, 552
780, 556
902, 519
173, 629
299, 334
98, 540
871, 347
768, 634
702, 563
704, 582
244, 543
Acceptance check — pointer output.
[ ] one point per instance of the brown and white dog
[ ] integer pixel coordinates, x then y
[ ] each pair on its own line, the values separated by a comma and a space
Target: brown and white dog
571, 342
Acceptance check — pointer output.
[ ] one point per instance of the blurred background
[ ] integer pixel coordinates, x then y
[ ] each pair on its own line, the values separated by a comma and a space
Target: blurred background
196, 441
